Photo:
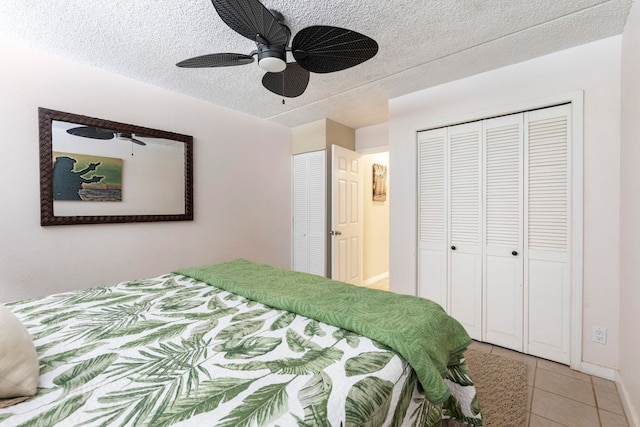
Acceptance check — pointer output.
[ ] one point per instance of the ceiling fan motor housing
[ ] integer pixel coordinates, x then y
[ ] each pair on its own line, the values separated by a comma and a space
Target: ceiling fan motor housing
272, 58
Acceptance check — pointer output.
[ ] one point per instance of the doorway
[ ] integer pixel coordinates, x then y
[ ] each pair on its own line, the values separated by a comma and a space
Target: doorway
376, 204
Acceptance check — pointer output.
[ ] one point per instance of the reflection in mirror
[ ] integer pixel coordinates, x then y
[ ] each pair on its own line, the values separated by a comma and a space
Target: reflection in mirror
95, 171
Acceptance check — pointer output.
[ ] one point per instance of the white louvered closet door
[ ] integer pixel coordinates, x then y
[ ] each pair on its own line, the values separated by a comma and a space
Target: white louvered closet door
494, 228
309, 212
432, 216
465, 226
547, 235
317, 212
503, 228
300, 213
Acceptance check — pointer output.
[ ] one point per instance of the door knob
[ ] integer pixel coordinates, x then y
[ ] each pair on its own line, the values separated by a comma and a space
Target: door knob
514, 253
335, 233
453, 248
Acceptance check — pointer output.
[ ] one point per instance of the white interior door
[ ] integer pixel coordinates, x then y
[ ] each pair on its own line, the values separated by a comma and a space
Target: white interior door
346, 215
465, 226
503, 240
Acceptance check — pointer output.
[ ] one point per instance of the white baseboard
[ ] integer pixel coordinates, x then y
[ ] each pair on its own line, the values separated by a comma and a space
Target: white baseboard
598, 371
374, 279
632, 415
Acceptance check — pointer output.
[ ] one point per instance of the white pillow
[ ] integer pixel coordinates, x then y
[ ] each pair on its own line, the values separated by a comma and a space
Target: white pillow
19, 367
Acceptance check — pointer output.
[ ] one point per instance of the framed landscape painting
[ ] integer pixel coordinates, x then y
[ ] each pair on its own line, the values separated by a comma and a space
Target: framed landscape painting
83, 177
379, 183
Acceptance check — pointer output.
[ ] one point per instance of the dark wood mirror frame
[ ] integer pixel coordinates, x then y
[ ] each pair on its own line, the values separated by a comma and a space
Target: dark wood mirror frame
47, 216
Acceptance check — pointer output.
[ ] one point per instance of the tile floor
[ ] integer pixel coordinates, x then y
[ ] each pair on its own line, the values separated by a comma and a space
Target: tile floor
558, 395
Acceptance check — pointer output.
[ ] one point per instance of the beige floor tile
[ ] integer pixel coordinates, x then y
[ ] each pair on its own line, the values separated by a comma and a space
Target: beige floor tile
612, 420
563, 410
538, 421
531, 374
529, 397
565, 386
608, 400
601, 382
563, 370
481, 346
525, 358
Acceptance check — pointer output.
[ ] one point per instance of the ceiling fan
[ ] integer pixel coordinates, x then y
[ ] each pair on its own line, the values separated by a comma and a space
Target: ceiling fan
316, 49
100, 133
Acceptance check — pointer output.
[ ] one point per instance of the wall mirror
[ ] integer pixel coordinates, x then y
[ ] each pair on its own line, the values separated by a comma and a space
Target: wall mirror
95, 171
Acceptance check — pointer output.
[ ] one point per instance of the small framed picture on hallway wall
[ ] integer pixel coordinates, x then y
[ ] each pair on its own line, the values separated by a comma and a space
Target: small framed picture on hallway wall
379, 183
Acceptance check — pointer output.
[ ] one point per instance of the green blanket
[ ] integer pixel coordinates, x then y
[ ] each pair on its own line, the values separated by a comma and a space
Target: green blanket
417, 329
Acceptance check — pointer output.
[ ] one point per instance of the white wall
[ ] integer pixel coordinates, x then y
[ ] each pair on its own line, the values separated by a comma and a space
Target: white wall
372, 142
372, 138
241, 178
630, 215
593, 68
376, 221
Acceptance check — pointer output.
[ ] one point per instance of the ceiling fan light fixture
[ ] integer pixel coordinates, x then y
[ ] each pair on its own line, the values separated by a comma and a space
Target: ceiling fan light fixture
272, 58
272, 65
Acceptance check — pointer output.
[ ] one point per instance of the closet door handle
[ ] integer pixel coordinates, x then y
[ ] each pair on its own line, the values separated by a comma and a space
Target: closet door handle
453, 248
514, 253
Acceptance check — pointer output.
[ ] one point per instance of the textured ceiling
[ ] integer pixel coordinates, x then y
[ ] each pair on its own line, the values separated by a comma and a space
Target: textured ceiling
422, 43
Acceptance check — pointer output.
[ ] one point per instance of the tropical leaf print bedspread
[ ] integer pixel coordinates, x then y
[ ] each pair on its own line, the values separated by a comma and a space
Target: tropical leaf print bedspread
417, 328
176, 351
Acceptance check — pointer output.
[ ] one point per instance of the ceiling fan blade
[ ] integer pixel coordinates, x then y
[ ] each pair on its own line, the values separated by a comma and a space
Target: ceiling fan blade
137, 141
291, 82
325, 49
250, 19
216, 60
91, 132
126, 136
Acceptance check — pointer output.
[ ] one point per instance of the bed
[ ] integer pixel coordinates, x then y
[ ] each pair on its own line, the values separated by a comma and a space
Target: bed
243, 344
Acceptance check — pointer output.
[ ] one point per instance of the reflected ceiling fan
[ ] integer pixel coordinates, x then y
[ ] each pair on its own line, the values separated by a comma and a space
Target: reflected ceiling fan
100, 133
316, 49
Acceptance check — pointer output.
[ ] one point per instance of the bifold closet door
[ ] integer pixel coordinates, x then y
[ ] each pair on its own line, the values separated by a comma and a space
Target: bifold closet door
465, 226
309, 212
503, 228
432, 216
300, 213
547, 236
449, 227
494, 228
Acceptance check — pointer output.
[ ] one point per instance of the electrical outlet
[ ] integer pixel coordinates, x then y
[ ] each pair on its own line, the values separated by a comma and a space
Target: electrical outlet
599, 335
